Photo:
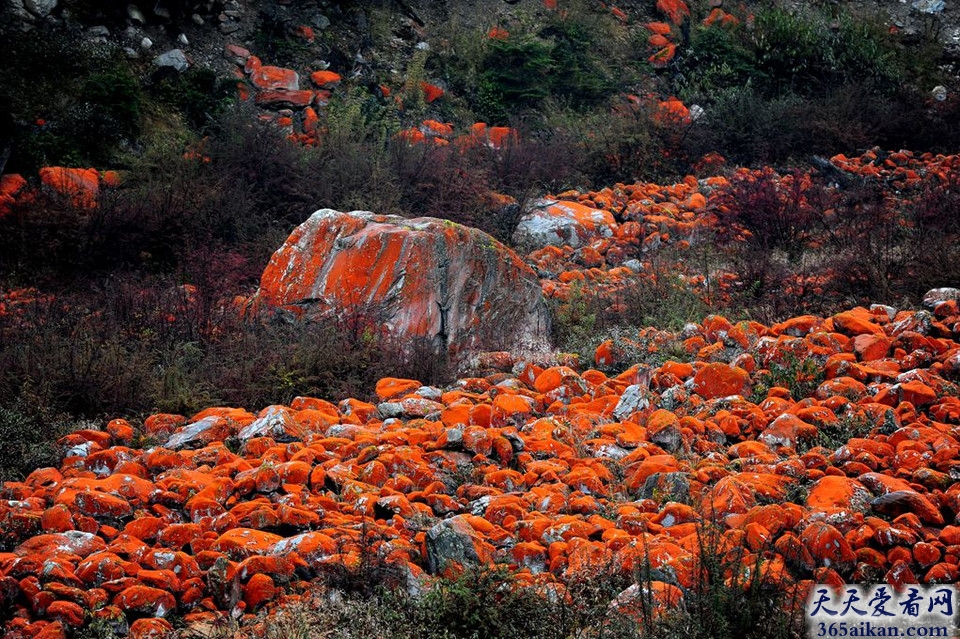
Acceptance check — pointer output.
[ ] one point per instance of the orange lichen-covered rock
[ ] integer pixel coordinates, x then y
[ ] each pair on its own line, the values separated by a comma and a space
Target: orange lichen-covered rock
284, 99
720, 380
676, 10
82, 186
553, 470
259, 590
562, 223
325, 79
827, 545
11, 185
431, 92
150, 628
244, 542
651, 600
144, 600
420, 278
272, 78
857, 322
834, 492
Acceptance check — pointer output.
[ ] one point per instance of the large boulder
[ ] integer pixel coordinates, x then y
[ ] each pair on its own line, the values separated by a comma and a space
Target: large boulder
421, 278
561, 223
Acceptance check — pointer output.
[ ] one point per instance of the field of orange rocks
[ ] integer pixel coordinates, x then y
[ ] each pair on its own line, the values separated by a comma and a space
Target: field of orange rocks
545, 469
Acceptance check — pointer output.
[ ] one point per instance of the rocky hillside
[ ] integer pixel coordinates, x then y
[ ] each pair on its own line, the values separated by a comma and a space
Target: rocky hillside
738, 456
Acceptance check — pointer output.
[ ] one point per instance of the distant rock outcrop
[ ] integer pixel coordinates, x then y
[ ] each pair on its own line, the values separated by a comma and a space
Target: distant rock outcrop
417, 278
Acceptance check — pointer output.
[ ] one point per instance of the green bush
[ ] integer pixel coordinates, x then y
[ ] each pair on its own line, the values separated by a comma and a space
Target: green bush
520, 68
27, 436
64, 101
479, 603
716, 60
197, 93
790, 49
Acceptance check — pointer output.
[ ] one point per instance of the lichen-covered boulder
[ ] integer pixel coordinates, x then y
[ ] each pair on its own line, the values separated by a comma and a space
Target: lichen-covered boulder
562, 223
421, 278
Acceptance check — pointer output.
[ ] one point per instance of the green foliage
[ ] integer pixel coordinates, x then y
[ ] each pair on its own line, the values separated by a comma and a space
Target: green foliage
801, 376
739, 594
850, 425
274, 37
574, 320
717, 60
27, 436
481, 602
63, 101
864, 48
197, 93
790, 48
520, 68
116, 101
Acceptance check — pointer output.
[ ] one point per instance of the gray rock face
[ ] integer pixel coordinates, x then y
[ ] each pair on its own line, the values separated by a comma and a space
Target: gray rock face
191, 433
555, 223
937, 295
424, 279
40, 8
175, 59
277, 422
666, 487
454, 541
631, 401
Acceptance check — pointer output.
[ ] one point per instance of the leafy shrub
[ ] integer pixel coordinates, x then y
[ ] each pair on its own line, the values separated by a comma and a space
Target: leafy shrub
716, 60
196, 93
519, 68
789, 48
63, 101
479, 603
801, 376
27, 436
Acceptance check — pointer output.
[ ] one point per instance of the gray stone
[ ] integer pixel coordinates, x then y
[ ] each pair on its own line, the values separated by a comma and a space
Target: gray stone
935, 296
890, 311
175, 59
40, 8
561, 223
669, 439
929, 6
430, 392
19, 11
225, 591
452, 540
630, 402
665, 487
454, 438
277, 423
390, 409
191, 433
135, 15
